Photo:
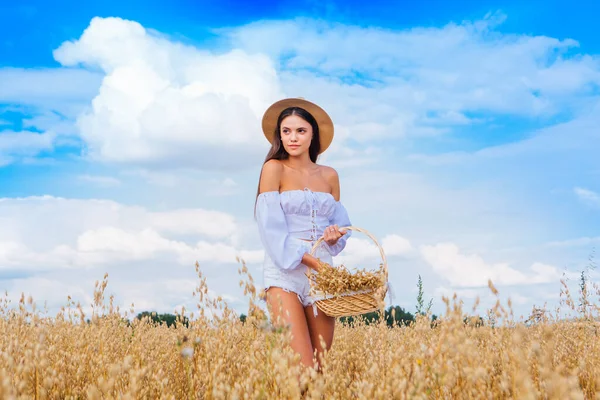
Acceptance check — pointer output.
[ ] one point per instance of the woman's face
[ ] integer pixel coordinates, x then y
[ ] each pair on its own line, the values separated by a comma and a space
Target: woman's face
296, 134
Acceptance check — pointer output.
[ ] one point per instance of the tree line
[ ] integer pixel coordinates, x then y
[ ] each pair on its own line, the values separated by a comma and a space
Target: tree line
393, 315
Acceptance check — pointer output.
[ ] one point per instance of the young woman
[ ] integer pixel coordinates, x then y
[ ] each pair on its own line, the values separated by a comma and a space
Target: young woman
298, 201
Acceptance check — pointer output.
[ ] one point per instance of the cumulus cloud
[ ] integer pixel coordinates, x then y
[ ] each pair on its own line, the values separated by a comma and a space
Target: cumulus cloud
45, 233
50, 293
462, 270
166, 103
52, 247
157, 102
417, 85
427, 76
396, 245
109, 244
185, 221
484, 299
362, 251
166, 295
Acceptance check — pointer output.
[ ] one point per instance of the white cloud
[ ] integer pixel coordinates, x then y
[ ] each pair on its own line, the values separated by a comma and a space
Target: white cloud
48, 100
395, 245
588, 197
445, 71
149, 269
144, 295
462, 294
52, 247
225, 187
103, 181
428, 208
46, 120
165, 295
51, 293
362, 252
471, 270
132, 245
107, 245
165, 104
169, 104
24, 143
208, 184
188, 221
159, 103
573, 142
405, 88
486, 300
47, 87
45, 233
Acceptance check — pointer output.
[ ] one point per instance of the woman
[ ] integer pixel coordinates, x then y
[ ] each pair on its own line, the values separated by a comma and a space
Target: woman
297, 203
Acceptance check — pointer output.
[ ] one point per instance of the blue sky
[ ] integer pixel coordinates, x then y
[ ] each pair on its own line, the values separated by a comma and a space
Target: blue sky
39, 27
466, 140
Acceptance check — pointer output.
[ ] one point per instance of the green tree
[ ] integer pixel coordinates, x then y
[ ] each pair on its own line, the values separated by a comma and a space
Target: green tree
398, 316
393, 316
166, 318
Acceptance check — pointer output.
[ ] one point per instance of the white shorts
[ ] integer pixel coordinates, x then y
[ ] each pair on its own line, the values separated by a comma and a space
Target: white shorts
294, 280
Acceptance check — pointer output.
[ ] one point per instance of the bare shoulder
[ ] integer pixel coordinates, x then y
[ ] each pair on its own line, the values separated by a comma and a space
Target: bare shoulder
328, 172
273, 166
332, 177
270, 176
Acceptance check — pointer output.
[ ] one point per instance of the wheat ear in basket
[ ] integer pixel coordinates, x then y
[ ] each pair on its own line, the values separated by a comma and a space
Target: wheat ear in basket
350, 303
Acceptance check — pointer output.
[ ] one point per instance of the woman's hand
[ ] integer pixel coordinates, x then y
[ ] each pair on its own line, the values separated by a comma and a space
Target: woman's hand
311, 261
332, 234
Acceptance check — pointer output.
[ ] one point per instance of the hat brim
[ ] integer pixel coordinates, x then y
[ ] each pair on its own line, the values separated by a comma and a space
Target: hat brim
269, 121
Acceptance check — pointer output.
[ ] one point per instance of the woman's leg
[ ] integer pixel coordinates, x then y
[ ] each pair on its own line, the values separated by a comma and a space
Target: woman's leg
320, 325
285, 308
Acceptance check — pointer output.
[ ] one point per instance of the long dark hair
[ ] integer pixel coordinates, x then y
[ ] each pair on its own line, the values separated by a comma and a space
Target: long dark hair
278, 152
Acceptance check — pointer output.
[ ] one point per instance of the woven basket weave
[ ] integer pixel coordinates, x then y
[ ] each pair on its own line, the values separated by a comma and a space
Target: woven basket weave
350, 303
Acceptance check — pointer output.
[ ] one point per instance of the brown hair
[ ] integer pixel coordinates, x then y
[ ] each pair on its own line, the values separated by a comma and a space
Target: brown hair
278, 152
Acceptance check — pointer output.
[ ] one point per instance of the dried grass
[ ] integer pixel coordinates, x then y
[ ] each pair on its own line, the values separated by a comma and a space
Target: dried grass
65, 357
337, 280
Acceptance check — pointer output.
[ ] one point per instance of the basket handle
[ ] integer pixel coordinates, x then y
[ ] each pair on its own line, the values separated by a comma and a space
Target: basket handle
353, 228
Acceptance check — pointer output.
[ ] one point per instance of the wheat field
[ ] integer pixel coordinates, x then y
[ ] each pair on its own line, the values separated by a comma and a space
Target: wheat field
107, 355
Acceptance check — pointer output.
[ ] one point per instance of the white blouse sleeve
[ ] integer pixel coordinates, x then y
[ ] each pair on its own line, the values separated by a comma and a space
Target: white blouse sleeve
341, 219
285, 252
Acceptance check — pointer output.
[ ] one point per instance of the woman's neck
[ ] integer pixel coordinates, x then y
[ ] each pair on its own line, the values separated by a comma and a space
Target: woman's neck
300, 163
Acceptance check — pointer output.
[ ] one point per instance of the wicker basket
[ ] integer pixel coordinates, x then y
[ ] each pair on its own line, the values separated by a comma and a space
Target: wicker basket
350, 303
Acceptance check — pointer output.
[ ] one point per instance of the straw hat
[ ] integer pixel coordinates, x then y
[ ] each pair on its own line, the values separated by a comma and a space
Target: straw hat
269, 121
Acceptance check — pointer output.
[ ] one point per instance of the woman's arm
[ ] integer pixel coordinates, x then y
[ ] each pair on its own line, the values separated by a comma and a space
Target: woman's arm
335, 240
270, 176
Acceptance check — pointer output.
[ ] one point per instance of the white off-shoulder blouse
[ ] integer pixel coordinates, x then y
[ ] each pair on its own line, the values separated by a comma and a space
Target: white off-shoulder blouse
285, 217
